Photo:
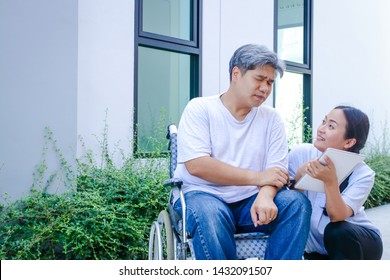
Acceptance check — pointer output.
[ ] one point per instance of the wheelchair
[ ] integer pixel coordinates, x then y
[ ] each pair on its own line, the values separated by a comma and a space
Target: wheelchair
169, 240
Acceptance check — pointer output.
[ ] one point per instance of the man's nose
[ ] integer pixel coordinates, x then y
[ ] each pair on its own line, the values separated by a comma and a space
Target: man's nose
264, 87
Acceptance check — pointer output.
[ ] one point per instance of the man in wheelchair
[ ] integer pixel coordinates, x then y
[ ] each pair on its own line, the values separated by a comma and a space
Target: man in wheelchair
232, 159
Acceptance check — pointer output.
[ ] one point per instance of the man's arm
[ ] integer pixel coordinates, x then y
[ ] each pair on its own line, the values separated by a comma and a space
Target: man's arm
221, 173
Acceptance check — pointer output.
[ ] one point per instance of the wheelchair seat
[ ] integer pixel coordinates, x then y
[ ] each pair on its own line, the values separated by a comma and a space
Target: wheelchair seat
168, 237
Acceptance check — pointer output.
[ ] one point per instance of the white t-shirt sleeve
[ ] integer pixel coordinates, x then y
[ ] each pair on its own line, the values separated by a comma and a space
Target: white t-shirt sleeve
194, 138
359, 187
277, 151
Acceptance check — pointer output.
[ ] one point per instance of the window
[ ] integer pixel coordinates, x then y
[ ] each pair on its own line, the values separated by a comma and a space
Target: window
167, 72
293, 43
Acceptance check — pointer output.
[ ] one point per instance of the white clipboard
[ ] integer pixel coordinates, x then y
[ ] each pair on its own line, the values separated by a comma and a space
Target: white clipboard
344, 162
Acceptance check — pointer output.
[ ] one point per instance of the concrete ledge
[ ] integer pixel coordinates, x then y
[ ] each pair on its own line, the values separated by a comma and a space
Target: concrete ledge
379, 216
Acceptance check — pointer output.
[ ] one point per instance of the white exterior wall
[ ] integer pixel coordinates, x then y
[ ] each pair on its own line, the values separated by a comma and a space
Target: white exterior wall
351, 57
105, 73
228, 24
38, 87
64, 63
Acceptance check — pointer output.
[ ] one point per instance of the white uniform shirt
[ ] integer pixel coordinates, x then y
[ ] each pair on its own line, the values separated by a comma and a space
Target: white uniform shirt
207, 128
359, 186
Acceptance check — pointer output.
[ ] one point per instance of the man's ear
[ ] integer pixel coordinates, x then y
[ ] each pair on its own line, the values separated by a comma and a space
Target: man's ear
235, 73
349, 143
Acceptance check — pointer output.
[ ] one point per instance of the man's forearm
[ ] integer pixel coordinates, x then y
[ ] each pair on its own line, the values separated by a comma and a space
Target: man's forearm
215, 171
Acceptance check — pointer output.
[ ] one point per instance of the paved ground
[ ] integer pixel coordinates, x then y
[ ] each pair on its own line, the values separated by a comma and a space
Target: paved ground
380, 216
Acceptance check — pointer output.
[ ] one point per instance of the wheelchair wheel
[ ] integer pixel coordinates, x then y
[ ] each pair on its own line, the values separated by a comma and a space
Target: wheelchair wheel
161, 245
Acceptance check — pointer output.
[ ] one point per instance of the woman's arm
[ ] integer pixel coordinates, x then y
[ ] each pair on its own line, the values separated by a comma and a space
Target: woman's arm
336, 208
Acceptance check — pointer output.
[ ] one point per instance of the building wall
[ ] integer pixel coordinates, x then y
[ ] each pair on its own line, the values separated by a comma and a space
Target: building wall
105, 73
68, 64
228, 24
38, 87
351, 57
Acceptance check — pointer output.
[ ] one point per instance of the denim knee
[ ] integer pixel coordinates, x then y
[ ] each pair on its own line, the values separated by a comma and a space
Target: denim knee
297, 200
211, 225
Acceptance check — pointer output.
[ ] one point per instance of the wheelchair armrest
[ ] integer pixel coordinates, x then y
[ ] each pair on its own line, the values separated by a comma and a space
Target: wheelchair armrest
173, 182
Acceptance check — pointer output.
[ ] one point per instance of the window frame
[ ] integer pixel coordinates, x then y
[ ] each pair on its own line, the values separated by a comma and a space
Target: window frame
156, 41
153, 36
301, 68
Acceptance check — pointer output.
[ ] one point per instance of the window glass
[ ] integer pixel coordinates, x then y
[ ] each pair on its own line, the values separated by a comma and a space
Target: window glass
167, 71
163, 91
289, 102
293, 94
291, 30
167, 17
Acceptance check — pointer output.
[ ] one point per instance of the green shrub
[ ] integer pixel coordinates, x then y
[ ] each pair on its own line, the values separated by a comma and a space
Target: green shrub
105, 215
380, 193
378, 158
108, 217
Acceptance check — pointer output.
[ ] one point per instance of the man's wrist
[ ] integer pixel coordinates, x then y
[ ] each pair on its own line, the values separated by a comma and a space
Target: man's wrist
268, 191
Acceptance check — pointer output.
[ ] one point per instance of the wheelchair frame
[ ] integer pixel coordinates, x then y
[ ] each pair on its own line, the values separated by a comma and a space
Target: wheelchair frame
168, 237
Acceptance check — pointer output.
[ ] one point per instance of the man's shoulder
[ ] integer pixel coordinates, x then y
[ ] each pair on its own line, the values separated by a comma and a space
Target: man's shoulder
203, 101
268, 112
267, 109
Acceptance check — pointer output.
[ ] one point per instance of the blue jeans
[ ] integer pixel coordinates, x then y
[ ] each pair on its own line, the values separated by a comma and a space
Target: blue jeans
212, 224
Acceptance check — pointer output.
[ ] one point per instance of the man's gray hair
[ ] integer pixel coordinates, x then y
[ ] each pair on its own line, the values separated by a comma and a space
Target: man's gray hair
251, 56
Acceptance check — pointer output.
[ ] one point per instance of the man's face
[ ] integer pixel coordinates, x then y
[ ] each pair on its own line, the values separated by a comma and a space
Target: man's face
254, 86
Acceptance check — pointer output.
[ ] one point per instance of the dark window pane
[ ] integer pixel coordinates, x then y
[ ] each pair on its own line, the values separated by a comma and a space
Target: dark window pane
170, 18
163, 91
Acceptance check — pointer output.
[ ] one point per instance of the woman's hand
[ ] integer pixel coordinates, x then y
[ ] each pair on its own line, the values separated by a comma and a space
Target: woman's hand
324, 172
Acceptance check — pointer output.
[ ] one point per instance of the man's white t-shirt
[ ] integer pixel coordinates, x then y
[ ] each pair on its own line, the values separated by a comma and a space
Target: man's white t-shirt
207, 128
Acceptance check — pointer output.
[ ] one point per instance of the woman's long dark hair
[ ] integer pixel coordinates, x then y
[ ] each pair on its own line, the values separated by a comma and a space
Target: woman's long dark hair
358, 126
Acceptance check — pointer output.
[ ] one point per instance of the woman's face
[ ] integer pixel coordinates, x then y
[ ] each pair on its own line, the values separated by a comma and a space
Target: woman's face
330, 134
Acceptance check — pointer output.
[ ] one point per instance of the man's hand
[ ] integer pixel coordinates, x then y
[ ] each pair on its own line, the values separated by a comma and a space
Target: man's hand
264, 210
274, 176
